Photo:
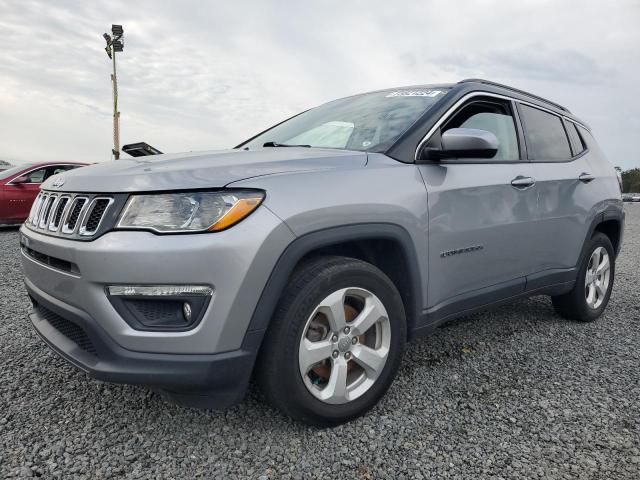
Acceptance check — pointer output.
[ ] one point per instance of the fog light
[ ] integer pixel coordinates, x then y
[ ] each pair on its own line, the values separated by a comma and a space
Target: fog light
160, 307
186, 311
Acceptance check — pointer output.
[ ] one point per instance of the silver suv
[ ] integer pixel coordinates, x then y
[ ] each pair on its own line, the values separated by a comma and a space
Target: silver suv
308, 255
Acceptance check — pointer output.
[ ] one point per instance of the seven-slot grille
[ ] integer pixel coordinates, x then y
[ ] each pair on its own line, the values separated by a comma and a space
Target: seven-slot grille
68, 214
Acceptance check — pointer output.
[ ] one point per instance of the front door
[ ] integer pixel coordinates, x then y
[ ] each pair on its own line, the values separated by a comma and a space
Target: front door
18, 197
481, 215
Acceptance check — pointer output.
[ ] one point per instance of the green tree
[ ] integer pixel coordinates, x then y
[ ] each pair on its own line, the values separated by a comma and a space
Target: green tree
631, 181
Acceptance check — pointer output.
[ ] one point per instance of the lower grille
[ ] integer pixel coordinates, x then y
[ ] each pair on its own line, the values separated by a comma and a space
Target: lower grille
67, 328
54, 262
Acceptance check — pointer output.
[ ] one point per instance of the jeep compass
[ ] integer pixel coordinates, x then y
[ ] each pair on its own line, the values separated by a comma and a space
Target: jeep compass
307, 256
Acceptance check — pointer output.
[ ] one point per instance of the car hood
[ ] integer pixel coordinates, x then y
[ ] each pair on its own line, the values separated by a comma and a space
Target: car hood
199, 169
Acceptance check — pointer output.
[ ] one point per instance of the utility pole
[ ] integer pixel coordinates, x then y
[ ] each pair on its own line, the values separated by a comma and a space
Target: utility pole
115, 44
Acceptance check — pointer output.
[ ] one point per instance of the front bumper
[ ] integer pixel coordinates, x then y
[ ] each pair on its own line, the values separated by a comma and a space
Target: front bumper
208, 365
211, 381
235, 263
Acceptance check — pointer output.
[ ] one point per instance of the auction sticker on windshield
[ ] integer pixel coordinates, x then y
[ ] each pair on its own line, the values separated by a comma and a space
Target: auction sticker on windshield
415, 93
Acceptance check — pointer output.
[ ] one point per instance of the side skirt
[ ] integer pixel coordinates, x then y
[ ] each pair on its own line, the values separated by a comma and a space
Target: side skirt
551, 282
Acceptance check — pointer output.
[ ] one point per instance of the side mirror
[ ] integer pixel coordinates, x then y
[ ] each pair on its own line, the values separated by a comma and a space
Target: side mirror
463, 143
19, 180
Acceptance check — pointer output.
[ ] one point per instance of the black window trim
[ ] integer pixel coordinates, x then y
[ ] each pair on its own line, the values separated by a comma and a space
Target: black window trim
563, 119
516, 102
585, 146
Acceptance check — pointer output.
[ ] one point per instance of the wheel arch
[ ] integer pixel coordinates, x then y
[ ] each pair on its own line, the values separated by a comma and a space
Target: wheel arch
363, 241
611, 223
612, 228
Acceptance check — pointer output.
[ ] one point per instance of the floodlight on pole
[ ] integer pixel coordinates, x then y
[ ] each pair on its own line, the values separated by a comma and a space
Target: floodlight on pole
115, 44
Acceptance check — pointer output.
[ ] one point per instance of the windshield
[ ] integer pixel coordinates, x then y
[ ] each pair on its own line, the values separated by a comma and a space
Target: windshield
368, 122
12, 171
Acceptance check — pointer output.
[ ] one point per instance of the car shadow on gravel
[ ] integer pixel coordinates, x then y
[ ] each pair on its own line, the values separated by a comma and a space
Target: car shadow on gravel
464, 335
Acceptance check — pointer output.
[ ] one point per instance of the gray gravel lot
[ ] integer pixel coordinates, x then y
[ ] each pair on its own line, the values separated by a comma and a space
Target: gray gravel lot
516, 392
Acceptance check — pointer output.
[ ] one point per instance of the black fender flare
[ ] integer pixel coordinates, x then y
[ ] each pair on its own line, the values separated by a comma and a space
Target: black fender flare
312, 241
603, 216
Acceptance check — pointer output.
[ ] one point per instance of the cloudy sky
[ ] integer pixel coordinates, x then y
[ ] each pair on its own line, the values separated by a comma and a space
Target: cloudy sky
199, 75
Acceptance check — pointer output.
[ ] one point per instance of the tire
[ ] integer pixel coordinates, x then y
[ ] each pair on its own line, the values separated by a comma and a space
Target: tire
316, 397
576, 304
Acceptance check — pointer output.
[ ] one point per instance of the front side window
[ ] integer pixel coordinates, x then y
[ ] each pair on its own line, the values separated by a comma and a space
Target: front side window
546, 138
493, 117
368, 122
36, 176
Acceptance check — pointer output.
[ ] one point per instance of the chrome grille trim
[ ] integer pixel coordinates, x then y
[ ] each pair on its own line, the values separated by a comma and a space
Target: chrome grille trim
62, 202
87, 215
46, 211
67, 218
36, 217
34, 208
74, 216
52, 212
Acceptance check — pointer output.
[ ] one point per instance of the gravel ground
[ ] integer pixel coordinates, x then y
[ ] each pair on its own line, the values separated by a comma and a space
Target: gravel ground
513, 393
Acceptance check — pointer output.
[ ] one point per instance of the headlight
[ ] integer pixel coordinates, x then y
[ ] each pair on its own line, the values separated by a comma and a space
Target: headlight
189, 211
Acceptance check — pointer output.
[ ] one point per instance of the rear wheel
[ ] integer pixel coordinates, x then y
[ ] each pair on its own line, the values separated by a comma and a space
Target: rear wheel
594, 283
335, 342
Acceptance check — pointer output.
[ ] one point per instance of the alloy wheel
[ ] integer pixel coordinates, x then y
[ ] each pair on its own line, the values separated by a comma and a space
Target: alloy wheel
344, 345
597, 277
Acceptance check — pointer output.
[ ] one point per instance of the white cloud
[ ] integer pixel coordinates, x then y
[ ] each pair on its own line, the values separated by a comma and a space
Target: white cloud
201, 75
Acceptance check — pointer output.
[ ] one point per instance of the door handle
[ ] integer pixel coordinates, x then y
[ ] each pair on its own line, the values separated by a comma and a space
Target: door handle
521, 182
586, 177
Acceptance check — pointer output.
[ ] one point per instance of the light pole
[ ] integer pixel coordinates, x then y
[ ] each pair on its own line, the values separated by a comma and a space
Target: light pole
115, 44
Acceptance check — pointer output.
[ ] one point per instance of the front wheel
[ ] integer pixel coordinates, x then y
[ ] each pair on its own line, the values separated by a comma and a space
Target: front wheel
590, 295
335, 342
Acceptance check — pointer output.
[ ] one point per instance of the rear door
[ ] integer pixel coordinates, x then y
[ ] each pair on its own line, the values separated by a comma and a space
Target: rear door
562, 174
481, 213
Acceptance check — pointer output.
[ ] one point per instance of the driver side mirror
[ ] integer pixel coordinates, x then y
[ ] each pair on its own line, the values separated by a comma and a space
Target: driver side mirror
20, 180
463, 143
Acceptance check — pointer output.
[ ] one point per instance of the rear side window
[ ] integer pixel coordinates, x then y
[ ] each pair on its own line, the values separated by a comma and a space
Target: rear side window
577, 145
546, 138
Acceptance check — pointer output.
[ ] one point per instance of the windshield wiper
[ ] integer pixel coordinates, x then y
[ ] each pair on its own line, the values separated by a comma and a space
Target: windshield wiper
274, 144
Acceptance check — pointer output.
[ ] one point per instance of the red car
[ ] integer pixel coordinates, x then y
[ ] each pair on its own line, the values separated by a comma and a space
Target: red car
20, 185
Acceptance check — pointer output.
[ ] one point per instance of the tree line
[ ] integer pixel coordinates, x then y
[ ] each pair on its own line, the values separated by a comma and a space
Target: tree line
631, 181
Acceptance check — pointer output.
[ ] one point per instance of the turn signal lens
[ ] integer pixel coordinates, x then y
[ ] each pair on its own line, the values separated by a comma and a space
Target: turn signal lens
242, 208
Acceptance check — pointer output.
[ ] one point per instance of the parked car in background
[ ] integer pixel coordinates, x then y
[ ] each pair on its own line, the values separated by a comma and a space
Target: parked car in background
20, 185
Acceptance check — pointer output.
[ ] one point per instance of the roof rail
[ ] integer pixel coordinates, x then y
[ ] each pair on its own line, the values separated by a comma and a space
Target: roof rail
522, 92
